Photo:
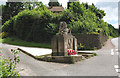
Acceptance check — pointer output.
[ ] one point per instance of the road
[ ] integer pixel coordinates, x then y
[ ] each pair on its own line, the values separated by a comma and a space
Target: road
115, 42
101, 65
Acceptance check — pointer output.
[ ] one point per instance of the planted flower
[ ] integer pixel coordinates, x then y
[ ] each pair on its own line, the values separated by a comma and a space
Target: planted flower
71, 52
0, 54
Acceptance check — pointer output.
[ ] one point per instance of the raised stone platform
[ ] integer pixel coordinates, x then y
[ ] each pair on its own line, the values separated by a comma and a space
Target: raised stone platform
65, 59
61, 59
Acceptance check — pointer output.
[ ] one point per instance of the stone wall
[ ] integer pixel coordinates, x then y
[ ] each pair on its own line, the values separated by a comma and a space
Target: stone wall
91, 41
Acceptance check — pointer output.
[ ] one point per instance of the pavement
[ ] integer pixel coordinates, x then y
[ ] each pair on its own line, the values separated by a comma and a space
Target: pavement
101, 65
38, 51
115, 42
35, 51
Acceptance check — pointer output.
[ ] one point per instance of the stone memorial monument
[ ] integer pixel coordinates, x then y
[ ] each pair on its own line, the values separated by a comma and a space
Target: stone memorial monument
63, 42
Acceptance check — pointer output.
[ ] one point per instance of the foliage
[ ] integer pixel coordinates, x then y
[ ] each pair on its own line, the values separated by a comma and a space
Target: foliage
39, 24
3, 35
8, 27
84, 47
1, 9
39, 20
54, 4
84, 18
11, 9
8, 66
112, 31
94, 54
32, 5
99, 13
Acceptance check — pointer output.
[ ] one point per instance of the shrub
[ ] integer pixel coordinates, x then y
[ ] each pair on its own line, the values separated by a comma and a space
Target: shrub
8, 27
3, 35
33, 25
40, 24
8, 66
94, 54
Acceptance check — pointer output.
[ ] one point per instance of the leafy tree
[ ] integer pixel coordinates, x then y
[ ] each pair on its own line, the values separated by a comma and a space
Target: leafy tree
32, 5
11, 9
1, 10
99, 13
54, 4
112, 31
42, 24
37, 22
76, 8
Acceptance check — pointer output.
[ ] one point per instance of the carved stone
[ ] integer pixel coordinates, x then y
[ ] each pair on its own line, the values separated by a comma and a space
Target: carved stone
63, 42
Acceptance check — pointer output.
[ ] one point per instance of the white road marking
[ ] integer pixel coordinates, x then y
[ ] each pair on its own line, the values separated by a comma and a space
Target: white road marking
116, 66
112, 52
116, 50
117, 70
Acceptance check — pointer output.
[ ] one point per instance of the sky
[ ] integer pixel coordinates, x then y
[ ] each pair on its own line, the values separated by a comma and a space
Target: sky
109, 6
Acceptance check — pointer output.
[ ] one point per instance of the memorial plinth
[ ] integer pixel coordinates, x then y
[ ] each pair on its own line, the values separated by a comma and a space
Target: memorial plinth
64, 48
63, 42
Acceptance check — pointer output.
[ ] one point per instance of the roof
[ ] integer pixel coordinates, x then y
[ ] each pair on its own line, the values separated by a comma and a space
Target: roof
53, 0
56, 9
73, 0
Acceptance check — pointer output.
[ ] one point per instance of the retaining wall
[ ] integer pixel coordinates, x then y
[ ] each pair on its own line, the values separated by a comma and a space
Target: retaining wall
91, 41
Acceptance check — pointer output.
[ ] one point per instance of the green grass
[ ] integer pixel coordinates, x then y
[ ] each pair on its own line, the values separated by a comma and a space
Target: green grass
110, 37
16, 41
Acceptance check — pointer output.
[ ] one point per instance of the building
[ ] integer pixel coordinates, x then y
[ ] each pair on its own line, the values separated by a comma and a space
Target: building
70, 1
55, 9
22, 0
53, 0
73, 0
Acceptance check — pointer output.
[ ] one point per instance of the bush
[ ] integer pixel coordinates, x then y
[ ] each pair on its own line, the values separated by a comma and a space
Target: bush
8, 66
8, 27
40, 24
112, 31
3, 35
36, 26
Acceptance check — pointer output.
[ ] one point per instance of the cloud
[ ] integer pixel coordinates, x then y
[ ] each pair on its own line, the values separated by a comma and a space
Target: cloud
3, 2
111, 13
64, 3
111, 10
89, 1
115, 25
107, 0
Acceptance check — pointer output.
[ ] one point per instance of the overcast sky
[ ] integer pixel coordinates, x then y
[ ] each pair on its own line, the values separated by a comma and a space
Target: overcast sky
109, 6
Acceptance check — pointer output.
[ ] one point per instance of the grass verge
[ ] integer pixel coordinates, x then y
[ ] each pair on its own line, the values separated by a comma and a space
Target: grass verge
16, 41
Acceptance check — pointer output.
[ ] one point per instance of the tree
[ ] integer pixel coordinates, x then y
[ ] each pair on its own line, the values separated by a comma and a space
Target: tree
54, 4
1, 10
11, 9
99, 13
76, 7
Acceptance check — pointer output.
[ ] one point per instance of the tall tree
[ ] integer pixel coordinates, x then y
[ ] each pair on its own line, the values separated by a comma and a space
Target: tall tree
11, 9
54, 4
